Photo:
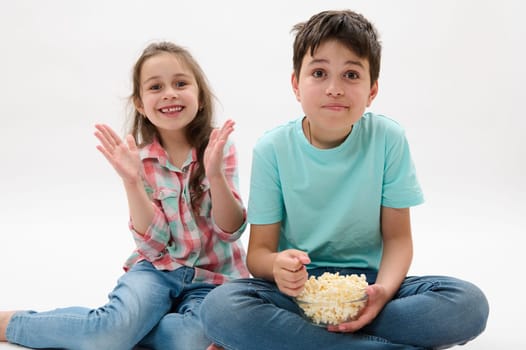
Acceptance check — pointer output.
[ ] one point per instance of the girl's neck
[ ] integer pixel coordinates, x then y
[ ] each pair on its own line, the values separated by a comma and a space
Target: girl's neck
177, 154
177, 148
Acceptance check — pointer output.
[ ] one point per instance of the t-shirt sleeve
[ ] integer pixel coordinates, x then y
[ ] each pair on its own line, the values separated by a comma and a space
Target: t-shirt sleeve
401, 188
265, 204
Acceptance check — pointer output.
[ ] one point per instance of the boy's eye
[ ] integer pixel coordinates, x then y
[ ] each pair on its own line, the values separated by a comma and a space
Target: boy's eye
318, 73
352, 75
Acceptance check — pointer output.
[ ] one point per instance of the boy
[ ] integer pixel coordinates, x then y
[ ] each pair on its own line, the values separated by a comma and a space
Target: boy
331, 192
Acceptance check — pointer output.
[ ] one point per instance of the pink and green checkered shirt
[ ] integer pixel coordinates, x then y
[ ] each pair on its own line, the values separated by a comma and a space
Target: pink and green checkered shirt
177, 236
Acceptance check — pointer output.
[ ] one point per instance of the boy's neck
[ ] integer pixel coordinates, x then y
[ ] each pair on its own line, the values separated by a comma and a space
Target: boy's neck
319, 142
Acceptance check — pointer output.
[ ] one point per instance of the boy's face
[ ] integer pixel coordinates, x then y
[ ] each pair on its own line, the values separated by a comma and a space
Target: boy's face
334, 89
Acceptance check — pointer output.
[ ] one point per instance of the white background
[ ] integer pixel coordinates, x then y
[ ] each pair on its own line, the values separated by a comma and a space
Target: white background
453, 74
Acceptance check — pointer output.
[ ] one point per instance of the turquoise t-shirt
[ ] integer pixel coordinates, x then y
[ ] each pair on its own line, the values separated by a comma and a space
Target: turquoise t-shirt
329, 200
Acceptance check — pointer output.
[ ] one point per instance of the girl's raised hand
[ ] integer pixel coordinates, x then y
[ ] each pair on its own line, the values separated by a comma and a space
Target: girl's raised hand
124, 157
213, 157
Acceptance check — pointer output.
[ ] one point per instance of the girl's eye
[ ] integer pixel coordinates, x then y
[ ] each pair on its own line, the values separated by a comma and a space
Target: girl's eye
352, 75
155, 87
318, 74
180, 84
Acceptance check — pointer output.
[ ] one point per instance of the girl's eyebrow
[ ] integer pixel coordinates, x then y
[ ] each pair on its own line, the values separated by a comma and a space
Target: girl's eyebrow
155, 77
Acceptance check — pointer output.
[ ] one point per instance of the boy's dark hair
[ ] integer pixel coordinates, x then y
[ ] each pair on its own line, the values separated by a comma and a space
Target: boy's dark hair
347, 27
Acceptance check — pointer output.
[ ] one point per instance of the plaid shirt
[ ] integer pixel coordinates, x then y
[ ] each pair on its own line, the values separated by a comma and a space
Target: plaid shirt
177, 236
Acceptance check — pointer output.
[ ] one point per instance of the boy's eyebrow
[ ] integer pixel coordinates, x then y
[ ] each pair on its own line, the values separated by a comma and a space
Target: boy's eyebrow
178, 75
349, 62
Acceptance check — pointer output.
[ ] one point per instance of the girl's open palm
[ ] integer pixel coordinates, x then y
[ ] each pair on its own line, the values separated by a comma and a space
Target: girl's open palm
213, 157
124, 157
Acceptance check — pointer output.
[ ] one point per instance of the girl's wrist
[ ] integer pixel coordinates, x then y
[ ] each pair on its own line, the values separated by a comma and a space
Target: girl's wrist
131, 184
217, 178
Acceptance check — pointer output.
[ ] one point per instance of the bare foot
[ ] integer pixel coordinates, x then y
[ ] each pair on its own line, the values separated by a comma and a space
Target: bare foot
214, 347
5, 317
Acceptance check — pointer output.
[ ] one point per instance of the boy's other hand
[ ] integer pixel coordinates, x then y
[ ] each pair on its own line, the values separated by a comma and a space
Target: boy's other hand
377, 298
290, 273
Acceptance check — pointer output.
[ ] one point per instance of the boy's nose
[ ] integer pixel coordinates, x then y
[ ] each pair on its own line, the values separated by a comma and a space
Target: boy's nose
334, 89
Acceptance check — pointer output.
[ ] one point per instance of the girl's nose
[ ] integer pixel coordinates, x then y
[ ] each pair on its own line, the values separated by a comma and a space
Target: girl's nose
170, 94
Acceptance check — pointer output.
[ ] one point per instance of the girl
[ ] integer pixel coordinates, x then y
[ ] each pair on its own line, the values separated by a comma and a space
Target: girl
180, 177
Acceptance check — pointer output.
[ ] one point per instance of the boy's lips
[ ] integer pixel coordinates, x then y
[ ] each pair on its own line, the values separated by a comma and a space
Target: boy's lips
335, 106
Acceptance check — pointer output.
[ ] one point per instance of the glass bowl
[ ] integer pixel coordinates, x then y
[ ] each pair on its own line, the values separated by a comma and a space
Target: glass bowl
331, 312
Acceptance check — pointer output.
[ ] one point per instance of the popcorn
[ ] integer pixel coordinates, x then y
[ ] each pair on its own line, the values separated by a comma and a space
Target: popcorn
333, 299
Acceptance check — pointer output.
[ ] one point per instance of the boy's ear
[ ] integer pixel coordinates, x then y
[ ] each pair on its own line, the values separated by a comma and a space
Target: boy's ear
372, 93
294, 82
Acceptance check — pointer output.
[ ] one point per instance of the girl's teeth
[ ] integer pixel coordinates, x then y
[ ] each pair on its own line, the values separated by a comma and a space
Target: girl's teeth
171, 109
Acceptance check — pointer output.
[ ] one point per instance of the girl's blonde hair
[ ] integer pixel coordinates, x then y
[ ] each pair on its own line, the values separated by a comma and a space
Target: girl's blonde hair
197, 132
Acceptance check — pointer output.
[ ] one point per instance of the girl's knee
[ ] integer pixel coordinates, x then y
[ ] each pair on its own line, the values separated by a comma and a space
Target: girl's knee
177, 331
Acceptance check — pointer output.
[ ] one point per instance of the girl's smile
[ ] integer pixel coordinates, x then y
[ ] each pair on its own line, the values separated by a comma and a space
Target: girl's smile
171, 111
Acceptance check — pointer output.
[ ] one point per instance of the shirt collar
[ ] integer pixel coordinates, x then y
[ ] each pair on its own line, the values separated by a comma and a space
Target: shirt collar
154, 150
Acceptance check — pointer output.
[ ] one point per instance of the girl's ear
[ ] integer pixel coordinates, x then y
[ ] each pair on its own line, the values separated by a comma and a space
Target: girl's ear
138, 105
294, 82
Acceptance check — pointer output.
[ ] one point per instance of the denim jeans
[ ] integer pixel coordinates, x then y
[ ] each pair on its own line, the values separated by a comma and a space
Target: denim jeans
430, 312
152, 308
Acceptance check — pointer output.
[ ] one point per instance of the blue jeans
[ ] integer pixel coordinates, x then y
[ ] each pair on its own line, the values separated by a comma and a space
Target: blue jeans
430, 312
152, 308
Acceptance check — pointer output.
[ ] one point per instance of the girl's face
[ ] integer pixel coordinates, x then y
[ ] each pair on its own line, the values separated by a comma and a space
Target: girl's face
334, 89
169, 93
